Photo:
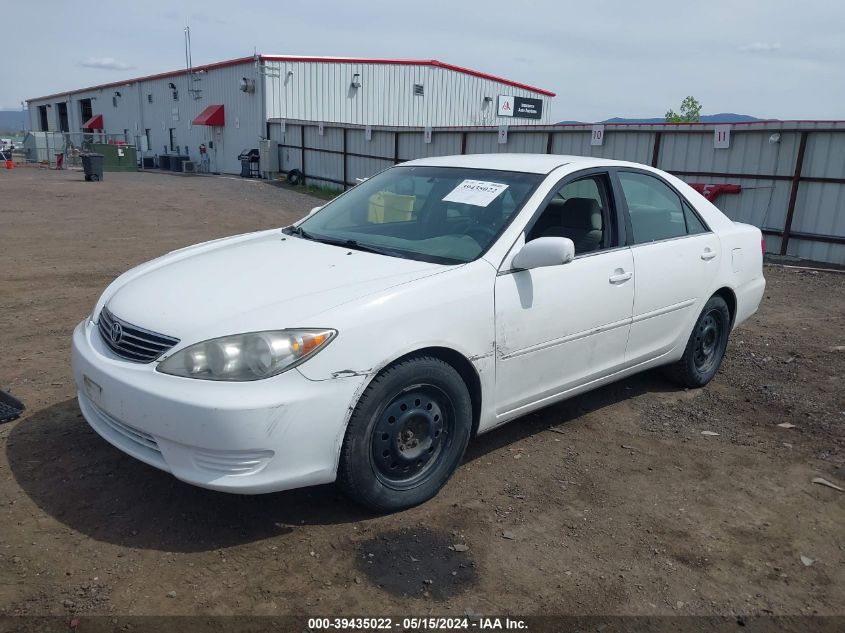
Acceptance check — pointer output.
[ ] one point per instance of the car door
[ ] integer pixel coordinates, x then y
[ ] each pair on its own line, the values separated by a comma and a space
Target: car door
676, 258
562, 326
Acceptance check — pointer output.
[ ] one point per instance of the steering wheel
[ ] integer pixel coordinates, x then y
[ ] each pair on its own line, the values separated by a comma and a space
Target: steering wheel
481, 233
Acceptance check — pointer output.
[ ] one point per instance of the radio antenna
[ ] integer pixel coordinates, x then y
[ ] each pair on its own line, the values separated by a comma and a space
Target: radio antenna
189, 65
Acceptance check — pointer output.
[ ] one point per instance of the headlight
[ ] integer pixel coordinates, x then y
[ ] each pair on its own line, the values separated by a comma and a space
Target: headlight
247, 356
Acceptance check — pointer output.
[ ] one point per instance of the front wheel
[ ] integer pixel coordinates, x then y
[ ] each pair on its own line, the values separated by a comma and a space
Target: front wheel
406, 436
706, 346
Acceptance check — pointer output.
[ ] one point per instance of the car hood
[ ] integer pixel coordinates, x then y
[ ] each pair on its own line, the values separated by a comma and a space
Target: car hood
261, 281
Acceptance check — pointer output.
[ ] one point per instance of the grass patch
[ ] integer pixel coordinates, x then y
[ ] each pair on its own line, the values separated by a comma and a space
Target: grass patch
318, 191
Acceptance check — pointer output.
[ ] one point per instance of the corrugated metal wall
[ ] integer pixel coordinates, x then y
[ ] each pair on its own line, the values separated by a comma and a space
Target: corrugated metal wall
245, 117
321, 91
764, 168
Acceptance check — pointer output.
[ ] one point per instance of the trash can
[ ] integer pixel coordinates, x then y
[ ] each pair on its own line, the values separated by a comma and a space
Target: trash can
93, 166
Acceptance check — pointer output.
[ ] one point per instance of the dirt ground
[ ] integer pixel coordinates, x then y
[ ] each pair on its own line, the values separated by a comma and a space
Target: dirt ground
610, 503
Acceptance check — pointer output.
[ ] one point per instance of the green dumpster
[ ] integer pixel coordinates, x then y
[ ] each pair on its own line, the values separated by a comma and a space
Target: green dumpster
116, 157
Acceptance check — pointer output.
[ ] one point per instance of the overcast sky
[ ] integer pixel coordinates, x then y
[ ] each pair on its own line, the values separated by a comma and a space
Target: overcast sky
603, 58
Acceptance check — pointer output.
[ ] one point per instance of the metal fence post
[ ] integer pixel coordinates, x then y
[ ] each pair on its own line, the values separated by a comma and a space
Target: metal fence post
302, 150
655, 152
793, 193
343, 157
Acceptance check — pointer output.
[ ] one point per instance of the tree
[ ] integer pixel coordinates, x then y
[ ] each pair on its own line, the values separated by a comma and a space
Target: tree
690, 112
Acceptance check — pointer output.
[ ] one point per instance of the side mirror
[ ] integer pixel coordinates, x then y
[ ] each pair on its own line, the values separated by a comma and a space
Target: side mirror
544, 251
314, 210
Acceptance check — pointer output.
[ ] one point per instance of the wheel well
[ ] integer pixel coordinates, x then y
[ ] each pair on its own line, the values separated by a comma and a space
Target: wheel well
730, 298
464, 367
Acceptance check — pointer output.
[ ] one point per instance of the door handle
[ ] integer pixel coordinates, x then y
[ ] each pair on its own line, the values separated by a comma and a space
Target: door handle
708, 254
620, 276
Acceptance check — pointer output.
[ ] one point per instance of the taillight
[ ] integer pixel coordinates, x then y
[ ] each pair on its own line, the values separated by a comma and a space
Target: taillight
763, 245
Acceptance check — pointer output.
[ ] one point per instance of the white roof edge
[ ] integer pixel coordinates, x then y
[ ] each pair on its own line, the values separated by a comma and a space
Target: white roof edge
529, 163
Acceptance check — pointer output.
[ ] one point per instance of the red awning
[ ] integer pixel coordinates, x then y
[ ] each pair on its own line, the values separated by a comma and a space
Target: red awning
212, 115
94, 123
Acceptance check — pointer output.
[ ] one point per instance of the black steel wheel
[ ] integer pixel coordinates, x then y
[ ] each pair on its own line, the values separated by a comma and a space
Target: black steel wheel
410, 435
406, 436
708, 337
706, 346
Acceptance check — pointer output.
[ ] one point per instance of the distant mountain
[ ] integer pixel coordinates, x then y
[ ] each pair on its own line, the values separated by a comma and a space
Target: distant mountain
13, 121
723, 117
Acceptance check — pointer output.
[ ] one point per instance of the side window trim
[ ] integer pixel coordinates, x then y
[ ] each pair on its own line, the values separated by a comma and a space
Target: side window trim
627, 230
622, 203
611, 215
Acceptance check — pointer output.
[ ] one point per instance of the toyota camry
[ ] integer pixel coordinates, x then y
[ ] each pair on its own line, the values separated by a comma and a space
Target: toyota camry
371, 341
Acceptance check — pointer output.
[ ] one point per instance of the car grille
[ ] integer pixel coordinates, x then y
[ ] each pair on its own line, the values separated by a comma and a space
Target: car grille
133, 343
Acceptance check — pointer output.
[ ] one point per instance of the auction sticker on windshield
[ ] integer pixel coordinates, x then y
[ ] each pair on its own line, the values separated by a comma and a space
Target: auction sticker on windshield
475, 192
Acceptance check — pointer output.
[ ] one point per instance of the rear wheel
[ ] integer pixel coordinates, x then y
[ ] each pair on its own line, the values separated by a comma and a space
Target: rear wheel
706, 346
407, 435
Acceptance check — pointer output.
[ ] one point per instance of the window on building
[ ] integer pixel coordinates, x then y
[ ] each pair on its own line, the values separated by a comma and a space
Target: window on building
150, 98
175, 94
419, 91
85, 110
61, 111
44, 125
656, 211
114, 102
173, 146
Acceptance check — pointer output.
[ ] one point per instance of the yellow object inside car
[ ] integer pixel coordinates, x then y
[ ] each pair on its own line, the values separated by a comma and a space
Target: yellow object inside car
387, 207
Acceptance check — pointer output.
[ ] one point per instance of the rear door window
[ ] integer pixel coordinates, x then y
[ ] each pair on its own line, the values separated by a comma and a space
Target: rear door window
656, 211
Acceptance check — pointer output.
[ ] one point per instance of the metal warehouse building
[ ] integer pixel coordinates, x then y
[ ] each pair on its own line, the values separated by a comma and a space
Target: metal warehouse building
232, 105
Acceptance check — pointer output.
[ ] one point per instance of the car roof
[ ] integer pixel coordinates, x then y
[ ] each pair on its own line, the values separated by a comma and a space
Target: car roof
527, 163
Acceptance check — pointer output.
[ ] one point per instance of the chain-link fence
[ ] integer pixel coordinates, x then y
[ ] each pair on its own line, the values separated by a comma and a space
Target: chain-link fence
64, 148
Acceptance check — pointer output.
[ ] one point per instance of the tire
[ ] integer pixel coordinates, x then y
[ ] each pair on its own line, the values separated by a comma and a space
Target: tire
95, 177
706, 346
87, 178
406, 436
295, 177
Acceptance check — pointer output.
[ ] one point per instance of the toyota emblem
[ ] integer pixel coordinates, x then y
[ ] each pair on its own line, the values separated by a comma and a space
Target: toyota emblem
116, 332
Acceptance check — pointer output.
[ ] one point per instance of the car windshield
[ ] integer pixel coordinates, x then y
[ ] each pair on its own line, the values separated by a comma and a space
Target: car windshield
440, 214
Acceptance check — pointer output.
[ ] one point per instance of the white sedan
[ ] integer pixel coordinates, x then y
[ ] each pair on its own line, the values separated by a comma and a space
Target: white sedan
437, 300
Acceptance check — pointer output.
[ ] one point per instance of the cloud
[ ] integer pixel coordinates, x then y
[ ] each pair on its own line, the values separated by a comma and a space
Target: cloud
760, 47
107, 63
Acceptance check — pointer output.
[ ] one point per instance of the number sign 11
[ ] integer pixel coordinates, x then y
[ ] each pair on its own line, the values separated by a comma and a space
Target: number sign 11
722, 137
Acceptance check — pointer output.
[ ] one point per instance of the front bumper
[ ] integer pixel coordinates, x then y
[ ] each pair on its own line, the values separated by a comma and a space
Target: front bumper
245, 437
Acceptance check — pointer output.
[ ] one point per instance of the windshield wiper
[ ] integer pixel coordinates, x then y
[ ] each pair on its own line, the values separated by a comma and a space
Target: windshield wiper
355, 245
297, 230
